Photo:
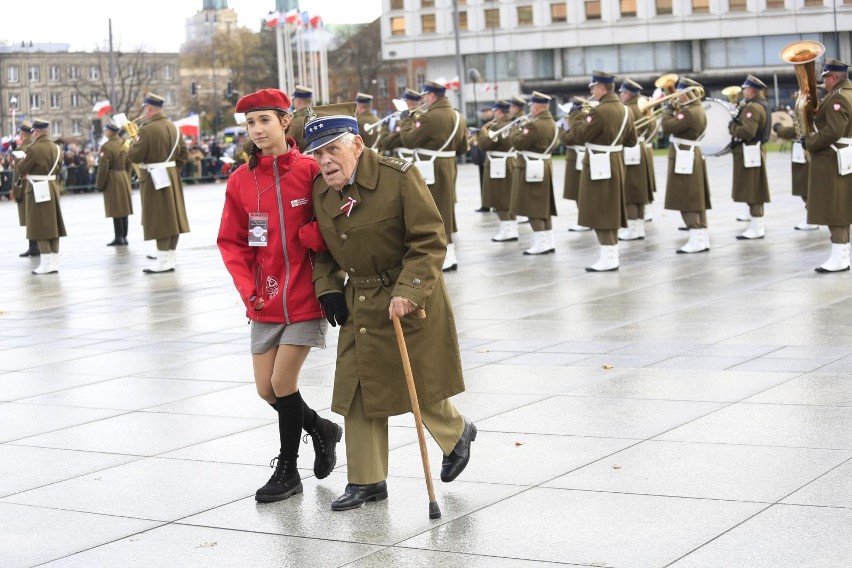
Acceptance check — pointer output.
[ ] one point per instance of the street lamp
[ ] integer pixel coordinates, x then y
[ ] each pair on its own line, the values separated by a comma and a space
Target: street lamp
13, 104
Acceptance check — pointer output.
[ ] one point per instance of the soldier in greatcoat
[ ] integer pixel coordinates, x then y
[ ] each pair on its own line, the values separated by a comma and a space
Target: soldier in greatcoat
604, 129
639, 183
687, 188
113, 180
391, 142
303, 99
386, 244
364, 113
799, 166
497, 181
26, 131
39, 170
160, 151
534, 140
750, 130
438, 134
574, 154
829, 193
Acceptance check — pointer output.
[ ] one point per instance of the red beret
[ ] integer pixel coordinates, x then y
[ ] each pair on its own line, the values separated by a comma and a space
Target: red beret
264, 99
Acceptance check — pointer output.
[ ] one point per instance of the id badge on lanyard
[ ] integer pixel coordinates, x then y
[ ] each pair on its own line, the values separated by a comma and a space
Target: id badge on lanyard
258, 229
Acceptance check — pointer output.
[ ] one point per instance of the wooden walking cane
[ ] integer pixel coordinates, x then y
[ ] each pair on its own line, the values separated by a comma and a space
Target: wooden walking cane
434, 509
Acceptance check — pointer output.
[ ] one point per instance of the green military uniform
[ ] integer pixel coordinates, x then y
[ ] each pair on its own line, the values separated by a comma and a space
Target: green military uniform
18, 187
391, 244
750, 185
297, 128
431, 130
44, 220
639, 182
497, 191
571, 186
686, 192
113, 178
798, 170
163, 210
371, 138
537, 137
601, 202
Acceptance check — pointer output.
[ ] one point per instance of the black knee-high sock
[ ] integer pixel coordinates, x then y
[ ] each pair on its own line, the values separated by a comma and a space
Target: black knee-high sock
290, 418
310, 416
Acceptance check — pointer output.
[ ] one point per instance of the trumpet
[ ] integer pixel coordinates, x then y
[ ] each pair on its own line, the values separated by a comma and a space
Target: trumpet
132, 127
372, 126
521, 120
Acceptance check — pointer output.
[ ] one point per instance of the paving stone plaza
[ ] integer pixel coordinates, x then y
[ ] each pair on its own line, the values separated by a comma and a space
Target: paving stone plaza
687, 411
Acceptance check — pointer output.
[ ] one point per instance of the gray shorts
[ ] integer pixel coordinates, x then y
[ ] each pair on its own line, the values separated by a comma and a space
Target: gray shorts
265, 336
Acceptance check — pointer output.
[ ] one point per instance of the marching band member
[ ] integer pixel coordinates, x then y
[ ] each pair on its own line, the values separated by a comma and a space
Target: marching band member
532, 178
26, 131
751, 129
498, 170
303, 99
364, 113
574, 154
605, 129
798, 169
113, 180
687, 188
639, 183
392, 141
437, 134
829, 192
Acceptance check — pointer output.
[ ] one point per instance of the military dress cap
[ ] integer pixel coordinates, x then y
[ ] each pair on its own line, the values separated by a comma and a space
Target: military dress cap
112, 126
753, 82
411, 95
40, 123
363, 98
153, 100
518, 100
26, 126
834, 65
502, 105
264, 99
540, 98
326, 129
433, 87
302, 92
602, 78
631, 86
685, 83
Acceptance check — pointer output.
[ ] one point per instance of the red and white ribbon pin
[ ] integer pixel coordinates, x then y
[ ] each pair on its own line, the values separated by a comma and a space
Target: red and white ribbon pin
347, 207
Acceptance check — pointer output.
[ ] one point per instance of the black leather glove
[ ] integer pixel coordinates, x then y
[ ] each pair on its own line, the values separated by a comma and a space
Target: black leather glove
404, 114
776, 127
334, 306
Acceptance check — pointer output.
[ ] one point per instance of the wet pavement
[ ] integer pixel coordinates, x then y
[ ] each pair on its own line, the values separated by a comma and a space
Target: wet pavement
692, 411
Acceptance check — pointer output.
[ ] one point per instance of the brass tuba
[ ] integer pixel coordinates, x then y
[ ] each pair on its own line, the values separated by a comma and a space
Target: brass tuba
733, 93
803, 55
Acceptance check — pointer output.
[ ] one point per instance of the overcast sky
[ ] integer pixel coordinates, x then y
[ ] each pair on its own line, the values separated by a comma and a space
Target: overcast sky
158, 24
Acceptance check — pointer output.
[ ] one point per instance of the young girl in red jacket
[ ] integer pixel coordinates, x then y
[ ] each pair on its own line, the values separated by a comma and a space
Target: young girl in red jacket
267, 203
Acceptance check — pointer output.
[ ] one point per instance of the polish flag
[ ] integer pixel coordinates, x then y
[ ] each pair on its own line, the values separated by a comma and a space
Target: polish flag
454, 84
316, 22
189, 125
272, 18
102, 107
291, 16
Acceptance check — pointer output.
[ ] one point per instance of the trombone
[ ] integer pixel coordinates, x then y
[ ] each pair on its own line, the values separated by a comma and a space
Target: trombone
372, 126
523, 119
646, 106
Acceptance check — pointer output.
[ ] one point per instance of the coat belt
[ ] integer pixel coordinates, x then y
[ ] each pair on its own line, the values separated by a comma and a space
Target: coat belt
32, 177
684, 141
150, 167
386, 278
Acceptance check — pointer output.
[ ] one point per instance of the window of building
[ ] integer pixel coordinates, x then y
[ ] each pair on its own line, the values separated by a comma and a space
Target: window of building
149, 72
593, 9
168, 73
131, 72
400, 85
35, 101
398, 26
427, 3
737, 5
55, 100
76, 127
94, 73
427, 23
463, 22
813, 3
700, 6
628, 58
778, 4
382, 87
56, 128
421, 80
628, 8
171, 97
54, 73
73, 72
34, 73
525, 15
75, 100
664, 7
396, 4
13, 74
558, 13
492, 18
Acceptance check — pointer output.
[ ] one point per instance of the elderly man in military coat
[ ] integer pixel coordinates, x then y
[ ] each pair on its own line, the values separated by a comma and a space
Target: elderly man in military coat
605, 130
532, 196
386, 243
750, 130
303, 99
160, 151
113, 180
829, 192
497, 170
687, 188
26, 131
39, 171
437, 135
639, 183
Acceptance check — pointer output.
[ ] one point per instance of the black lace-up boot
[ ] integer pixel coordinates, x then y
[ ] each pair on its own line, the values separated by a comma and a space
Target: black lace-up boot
325, 435
285, 481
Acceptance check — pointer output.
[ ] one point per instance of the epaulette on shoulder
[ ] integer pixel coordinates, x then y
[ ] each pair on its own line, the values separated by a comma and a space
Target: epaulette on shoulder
395, 163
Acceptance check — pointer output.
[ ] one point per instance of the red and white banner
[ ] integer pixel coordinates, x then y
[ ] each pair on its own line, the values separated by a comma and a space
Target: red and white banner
102, 107
272, 19
189, 126
291, 16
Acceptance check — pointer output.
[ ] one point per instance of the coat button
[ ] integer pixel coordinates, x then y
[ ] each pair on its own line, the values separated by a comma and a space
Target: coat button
362, 298
344, 236
351, 271
363, 330
416, 282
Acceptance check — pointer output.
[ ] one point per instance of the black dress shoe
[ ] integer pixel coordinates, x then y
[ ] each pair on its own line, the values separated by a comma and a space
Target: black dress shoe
115, 242
450, 268
30, 252
455, 463
483, 210
356, 495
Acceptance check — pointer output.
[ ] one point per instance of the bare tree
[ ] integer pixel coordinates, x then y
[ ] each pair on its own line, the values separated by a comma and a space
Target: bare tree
359, 55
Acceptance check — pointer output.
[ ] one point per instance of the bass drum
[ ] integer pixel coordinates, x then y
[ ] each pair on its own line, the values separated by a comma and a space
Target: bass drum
717, 139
